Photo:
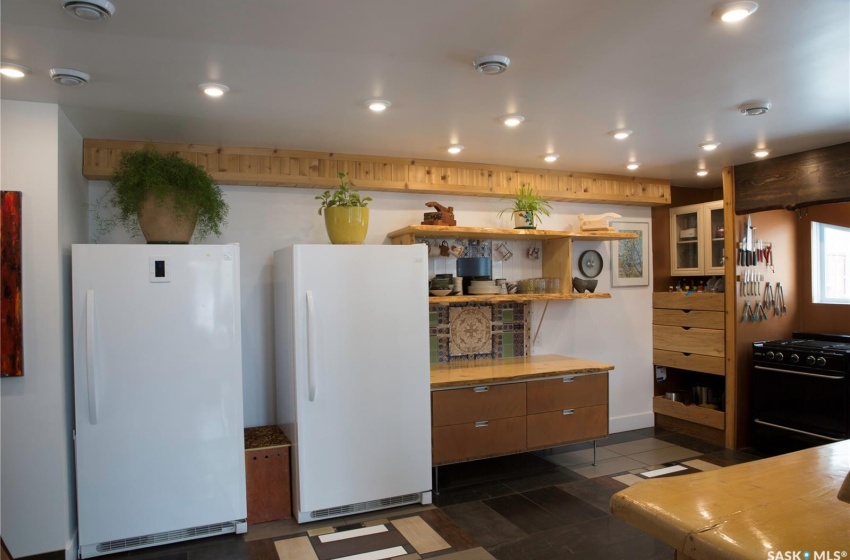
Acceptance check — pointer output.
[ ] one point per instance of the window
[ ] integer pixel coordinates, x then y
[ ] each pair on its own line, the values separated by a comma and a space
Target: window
830, 263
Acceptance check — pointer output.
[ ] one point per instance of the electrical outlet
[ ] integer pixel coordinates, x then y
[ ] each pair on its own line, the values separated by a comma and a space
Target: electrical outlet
660, 373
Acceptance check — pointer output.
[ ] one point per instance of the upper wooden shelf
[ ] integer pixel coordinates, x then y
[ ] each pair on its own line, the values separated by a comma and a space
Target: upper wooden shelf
233, 165
493, 233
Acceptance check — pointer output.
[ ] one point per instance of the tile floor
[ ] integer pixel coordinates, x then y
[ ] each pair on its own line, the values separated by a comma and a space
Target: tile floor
534, 506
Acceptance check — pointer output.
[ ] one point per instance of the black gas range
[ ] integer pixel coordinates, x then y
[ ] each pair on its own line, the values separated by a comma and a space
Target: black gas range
800, 392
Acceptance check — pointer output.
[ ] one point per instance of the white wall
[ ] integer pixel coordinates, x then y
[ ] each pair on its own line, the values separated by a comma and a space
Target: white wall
37, 457
263, 219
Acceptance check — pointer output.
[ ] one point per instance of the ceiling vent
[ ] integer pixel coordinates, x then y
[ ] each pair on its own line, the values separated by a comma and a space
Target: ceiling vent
491, 64
89, 10
753, 108
69, 76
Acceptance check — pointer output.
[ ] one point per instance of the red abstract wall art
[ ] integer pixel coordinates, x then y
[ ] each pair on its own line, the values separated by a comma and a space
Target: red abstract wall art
11, 303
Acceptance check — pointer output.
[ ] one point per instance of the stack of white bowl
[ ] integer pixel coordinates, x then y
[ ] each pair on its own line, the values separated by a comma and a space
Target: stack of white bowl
483, 287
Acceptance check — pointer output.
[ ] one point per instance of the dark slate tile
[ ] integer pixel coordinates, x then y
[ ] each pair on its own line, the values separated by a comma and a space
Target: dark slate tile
471, 493
600, 532
642, 547
523, 513
566, 448
622, 437
726, 457
690, 442
547, 545
594, 491
566, 507
484, 524
445, 526
560, 475
495, 469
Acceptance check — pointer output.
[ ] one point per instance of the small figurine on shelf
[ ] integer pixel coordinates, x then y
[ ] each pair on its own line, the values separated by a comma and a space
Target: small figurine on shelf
442, 217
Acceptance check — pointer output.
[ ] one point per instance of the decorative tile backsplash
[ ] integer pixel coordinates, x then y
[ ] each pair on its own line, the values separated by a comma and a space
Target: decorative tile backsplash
468, 331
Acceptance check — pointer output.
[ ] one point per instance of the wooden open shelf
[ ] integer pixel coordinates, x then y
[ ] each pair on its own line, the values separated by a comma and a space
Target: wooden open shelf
515, 297
691, 413
404, 236
557, 256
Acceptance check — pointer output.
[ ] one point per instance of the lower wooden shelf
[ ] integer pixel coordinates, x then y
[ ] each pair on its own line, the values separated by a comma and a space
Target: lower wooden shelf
691, 413
517, 297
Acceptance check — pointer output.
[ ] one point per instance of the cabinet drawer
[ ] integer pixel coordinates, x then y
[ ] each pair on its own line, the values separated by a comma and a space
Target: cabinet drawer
557, 394
557, 428
693, 362
680, 300
468, 441
689, 318
692, 340
470, 404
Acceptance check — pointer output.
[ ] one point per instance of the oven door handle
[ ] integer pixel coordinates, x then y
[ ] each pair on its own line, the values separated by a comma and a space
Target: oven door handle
818, 375
763, 423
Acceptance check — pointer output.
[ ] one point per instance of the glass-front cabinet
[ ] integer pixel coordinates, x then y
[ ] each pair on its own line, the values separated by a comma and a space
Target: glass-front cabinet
696, 239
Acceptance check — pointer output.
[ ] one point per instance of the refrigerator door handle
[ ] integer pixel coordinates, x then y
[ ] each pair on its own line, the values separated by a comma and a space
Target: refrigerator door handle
311, 347
90, 382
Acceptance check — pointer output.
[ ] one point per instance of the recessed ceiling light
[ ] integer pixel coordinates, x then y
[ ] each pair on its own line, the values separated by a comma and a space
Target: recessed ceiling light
213, 89
549, 158
620, 133
378, 105
491, 64
709, 146
633, 165
89, 10
761, 152
736, 11
513, 120
69, 76
455, 149
702, 173
13, 70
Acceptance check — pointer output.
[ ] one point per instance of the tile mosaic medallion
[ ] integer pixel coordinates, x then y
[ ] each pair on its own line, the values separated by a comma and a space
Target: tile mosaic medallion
470, 329
509, 332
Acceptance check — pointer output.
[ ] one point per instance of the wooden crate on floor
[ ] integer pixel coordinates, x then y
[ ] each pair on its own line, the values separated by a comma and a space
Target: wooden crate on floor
267, 474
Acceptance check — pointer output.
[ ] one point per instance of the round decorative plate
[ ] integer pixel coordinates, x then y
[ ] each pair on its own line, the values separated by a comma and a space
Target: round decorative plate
590, 263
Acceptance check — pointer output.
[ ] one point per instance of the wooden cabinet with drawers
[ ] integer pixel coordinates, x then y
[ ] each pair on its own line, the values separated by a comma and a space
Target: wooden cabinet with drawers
688, 335
479, 421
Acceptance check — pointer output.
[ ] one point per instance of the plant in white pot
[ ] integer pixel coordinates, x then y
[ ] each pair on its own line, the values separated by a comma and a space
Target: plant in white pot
166, 197
346, 214
528, 208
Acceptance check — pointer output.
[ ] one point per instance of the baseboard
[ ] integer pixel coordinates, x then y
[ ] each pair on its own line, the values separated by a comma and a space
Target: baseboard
631, 422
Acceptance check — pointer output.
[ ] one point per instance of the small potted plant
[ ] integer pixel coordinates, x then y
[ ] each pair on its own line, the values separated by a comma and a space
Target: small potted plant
166, 197
528, 209
346, 214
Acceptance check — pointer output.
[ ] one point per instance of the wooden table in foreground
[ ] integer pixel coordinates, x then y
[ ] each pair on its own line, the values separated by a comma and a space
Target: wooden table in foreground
751, 511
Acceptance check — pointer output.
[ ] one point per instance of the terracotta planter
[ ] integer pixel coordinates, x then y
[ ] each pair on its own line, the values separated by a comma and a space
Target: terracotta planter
347, 225
160, 224
524, 220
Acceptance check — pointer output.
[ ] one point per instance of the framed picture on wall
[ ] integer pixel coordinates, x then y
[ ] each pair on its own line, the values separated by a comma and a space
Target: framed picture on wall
630, 257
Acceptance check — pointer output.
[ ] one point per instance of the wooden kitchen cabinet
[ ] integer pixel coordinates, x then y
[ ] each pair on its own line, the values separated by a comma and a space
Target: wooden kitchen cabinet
696, 239
557, 258
688, 334
489, 420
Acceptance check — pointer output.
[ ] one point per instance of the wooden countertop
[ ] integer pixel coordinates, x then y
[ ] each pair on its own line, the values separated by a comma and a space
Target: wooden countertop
784, 503
474, 372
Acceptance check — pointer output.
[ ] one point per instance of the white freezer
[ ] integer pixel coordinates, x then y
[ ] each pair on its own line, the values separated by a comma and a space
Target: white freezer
353, 375
158, 391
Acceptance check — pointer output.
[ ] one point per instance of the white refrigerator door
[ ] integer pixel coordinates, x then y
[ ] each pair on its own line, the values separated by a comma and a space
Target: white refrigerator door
363, 377
158, 388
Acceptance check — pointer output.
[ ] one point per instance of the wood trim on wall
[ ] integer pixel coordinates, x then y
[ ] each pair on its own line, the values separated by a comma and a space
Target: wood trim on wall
813, 177
293, 168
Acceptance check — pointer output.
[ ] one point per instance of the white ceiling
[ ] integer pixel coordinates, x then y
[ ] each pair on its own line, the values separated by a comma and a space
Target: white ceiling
301, 70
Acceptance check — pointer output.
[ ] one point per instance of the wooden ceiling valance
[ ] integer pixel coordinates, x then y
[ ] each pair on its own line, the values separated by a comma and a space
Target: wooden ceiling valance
291, 168
814, 177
